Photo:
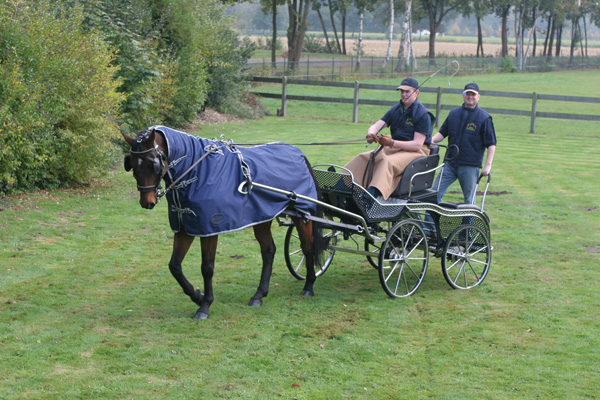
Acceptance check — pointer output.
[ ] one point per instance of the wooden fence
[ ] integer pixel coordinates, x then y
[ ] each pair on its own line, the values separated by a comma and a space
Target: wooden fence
356, 101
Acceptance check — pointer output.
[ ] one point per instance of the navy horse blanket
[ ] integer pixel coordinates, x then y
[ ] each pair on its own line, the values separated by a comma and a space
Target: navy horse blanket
207, 202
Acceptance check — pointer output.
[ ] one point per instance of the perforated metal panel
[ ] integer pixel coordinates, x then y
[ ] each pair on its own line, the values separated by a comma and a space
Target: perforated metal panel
341, 191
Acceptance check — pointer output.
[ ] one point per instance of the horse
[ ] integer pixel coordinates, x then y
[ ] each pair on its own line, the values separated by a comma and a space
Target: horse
157, 153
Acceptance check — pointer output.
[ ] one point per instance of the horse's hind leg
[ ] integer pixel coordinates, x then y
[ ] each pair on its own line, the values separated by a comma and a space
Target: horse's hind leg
209, 251
263, 235
305, 233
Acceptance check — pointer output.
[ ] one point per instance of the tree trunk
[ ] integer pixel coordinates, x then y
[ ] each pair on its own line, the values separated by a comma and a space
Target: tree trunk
390, 36
479, 39
324, 31
585, 35
546, 40
406, 40
298, 10
535, 18
530, 36
274, 40
337, 39
519, 11
574, 25
361, 17
344, 33
505, 31
558, 39
550, 43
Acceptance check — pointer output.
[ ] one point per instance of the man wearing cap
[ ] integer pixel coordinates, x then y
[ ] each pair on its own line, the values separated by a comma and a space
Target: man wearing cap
410, 136
471, 129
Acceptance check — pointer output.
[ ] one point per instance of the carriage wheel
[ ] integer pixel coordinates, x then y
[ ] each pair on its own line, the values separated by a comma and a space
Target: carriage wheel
403, 259
467, 257
294, 258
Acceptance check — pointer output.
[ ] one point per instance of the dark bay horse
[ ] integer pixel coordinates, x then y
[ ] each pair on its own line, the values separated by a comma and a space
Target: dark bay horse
152, 159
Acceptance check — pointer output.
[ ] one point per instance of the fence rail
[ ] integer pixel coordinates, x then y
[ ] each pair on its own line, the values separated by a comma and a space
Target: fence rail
335, 67
438, 106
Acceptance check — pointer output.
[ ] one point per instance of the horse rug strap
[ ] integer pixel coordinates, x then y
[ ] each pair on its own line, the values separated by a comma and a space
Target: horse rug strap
211, 204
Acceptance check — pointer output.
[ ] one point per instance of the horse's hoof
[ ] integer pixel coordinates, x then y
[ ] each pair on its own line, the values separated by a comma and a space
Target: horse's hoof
201, 315
307, 293
255, 302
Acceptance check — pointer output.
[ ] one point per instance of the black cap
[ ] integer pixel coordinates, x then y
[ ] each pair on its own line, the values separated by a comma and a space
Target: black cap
471, 87
408, 84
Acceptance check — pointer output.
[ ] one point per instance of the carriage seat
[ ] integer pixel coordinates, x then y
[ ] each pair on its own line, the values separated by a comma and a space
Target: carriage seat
459, 206
417, 183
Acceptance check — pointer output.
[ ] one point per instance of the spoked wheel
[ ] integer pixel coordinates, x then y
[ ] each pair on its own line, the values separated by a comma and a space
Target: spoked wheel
294, 258
467, 257
403, 259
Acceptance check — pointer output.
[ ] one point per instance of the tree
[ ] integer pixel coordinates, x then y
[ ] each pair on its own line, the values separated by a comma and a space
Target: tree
406, 40
436, 11
502, 9
332, 19
298, 11
361, 6
390, 34
316, 6
479, 8
523, 21
555, 12
271, 5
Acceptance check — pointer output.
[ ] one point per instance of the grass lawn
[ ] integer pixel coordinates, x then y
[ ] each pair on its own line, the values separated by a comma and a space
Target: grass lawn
89, 310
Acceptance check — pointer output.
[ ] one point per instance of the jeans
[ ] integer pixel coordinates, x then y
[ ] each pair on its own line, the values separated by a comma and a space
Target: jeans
467, 177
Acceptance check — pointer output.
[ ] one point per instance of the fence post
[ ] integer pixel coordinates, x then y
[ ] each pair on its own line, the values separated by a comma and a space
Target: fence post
438, 106
283, 96
533, 112
355, 109
307, 66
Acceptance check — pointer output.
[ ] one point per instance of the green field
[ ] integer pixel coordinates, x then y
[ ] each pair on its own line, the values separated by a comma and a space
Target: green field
89, 310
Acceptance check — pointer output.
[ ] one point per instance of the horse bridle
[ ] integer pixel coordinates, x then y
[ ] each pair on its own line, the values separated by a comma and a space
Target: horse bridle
159, 165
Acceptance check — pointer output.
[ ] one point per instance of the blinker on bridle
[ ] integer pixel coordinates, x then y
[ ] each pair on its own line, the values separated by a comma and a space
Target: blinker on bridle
158, 167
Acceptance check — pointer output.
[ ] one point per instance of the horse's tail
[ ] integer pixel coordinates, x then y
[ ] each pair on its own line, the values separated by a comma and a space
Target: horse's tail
319, 242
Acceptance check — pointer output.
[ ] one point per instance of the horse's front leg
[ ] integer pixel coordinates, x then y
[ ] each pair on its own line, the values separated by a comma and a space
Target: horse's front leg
209, 251
263, 235
181, 245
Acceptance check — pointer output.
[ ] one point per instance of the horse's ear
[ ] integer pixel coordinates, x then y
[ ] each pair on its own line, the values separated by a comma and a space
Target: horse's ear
128, 139
127, 162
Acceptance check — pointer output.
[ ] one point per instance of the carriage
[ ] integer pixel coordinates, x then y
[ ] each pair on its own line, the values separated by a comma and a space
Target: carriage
217, 187
399, 236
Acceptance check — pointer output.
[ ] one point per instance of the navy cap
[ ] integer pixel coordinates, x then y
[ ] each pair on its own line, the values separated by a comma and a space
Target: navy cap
408, 84
471, 87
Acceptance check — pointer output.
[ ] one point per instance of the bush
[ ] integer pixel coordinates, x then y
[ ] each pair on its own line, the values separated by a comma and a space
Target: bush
508, 65
59, 99
267, 43
313, 44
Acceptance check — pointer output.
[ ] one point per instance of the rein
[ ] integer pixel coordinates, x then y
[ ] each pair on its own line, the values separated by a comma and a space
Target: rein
352, 141
176, 181
212, 149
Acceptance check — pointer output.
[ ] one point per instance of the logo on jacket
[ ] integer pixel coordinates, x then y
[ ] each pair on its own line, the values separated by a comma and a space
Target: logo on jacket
471, 126
409, 121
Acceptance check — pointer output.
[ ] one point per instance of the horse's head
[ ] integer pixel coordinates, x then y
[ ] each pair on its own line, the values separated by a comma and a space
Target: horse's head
149, 163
